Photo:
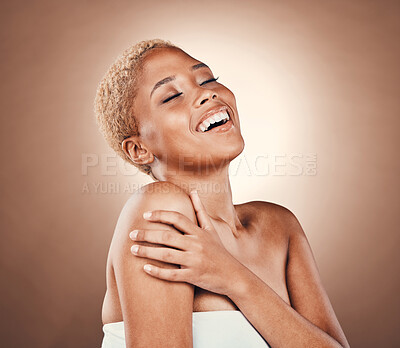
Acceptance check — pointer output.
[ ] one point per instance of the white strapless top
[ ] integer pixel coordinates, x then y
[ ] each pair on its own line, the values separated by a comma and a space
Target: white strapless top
213, 329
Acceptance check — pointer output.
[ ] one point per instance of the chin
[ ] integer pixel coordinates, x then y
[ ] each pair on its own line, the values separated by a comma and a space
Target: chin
230, 151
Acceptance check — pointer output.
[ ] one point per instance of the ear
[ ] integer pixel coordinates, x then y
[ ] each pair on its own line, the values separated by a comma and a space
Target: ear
137, 151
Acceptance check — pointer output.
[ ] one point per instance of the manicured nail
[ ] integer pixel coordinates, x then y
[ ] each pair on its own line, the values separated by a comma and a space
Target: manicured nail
147, 268
135, 249
147, 214
133, 234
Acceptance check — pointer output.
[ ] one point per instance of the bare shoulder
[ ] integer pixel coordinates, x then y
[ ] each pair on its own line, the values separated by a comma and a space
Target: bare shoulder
272, 210
277, 220
161, 195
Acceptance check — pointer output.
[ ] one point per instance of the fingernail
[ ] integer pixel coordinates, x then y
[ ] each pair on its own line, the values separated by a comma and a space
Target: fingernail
147, 214
133, 234
135, 249
147, 268
194, 192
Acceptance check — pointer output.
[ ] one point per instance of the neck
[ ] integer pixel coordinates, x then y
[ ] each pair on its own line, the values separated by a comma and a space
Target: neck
215, 192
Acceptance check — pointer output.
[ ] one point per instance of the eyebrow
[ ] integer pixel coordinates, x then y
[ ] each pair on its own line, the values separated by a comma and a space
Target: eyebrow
198, 66
171, 78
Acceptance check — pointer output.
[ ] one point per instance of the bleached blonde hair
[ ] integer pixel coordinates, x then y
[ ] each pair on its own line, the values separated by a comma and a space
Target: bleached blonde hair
115, 98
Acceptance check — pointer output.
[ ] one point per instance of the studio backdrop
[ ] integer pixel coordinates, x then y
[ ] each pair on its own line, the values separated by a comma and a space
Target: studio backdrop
317, 90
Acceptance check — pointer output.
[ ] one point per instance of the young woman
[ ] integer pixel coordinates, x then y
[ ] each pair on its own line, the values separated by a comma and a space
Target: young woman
187, 267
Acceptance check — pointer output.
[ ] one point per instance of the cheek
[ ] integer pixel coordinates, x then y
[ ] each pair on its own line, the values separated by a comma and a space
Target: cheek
169, 131
173, 123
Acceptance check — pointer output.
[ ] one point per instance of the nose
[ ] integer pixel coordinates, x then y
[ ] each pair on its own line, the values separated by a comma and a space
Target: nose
205, 95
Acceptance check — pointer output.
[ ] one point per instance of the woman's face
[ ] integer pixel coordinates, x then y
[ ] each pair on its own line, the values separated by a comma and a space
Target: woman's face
175, 99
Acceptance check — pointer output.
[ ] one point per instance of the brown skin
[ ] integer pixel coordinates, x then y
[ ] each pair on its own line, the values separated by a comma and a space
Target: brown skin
197, 245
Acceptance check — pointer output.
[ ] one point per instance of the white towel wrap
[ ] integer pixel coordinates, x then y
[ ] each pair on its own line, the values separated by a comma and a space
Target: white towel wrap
212, 329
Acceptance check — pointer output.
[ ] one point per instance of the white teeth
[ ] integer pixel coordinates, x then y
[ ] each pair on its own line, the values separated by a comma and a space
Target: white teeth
224, 115
221, 115
218, 117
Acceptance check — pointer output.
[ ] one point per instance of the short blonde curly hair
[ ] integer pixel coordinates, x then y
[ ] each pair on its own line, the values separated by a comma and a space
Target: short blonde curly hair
115, 97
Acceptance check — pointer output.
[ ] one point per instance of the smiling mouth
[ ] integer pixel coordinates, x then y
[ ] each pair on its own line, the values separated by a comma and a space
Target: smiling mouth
215, 120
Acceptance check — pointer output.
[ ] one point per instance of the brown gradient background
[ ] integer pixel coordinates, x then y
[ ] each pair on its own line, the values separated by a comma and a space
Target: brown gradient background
309, 77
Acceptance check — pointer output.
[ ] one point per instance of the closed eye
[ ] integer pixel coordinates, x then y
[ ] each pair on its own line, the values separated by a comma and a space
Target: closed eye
208, 81
178, 94
171, 97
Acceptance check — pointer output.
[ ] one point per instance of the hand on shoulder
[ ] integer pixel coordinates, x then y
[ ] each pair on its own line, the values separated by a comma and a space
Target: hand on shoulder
161, 195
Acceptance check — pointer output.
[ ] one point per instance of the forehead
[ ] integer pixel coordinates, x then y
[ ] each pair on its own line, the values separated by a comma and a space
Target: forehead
162, 62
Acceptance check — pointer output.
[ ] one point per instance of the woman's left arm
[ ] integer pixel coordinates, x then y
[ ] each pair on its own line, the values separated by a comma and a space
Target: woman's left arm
310, 320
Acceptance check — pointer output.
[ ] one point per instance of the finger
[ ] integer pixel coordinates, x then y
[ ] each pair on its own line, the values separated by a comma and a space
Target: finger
167, 255
178, 220
171, 274
201, 213
165, 237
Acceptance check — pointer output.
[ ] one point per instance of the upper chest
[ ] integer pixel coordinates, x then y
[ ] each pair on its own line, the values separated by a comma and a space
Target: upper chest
262, 248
